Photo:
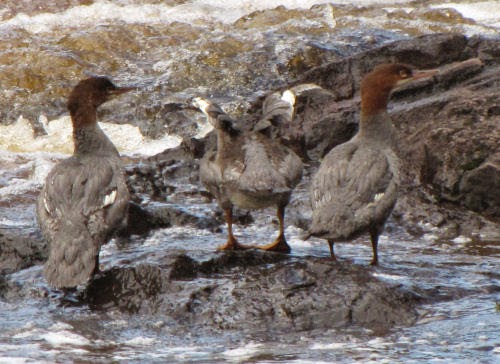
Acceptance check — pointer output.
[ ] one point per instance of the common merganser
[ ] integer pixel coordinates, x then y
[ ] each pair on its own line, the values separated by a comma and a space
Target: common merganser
356, 185
248, 169
85, 197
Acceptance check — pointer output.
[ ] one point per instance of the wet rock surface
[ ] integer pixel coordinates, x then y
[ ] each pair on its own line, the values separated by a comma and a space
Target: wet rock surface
255, 290
20, 250
448, 129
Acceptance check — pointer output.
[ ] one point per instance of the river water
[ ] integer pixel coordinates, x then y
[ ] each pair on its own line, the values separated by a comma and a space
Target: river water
231, 51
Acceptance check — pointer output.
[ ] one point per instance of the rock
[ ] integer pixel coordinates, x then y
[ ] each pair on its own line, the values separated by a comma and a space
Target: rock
450, 140
19, 250
3, 285
480, 187
130, 289
255, 291
159, 176
343, 77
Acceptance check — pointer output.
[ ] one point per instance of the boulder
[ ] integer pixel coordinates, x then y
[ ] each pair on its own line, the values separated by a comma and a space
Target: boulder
21, 249
255, 291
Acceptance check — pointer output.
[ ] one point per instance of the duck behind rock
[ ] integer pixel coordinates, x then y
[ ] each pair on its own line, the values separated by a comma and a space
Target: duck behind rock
85, 197
356, 185
249, 169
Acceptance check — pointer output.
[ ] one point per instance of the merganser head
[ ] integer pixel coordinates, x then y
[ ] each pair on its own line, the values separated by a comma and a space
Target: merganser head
93, 92
377, 85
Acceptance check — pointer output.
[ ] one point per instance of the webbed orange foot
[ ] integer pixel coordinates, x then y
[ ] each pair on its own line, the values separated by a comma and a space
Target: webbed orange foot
279, 245
233, 244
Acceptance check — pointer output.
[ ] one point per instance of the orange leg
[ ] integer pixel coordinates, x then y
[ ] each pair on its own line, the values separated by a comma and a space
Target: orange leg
279, 245
232, 243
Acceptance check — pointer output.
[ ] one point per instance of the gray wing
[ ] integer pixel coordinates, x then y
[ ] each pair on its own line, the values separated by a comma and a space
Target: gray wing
78, 209
248, 162
268, 166
353, 189
279, 108
260, 165
211, 178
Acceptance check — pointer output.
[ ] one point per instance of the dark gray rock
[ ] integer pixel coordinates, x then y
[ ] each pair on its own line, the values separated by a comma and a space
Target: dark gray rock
255, 291
343, 77
480, 188
142, 220
19, 250
450, 143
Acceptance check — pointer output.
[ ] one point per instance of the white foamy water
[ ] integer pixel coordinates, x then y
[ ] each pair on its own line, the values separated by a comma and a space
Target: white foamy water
32, 170
105, 12
141, 341
485, 12
199, 11
225, 11
12, 360
20, 137
245, 352
64, 337
328, 346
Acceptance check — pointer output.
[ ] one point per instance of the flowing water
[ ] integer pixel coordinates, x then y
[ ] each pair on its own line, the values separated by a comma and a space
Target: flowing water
231, 51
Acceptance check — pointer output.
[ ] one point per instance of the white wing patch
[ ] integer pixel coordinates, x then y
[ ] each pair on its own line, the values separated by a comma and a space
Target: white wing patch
46, 205
378, 197
289, 97
109, 199
201, 104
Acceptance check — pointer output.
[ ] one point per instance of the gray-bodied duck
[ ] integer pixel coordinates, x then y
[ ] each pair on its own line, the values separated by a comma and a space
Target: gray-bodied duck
85, 197
356, 185
249, 169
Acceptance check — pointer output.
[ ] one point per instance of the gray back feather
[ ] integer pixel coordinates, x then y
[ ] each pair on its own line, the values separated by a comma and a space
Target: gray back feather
354, 188
78, 210
248, 162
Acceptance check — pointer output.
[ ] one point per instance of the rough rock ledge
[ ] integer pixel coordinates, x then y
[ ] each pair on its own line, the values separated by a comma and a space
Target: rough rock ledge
255, 290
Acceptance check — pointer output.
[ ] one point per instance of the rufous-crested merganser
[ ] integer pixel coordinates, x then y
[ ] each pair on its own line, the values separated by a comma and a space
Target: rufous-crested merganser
85, 197
356, 185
